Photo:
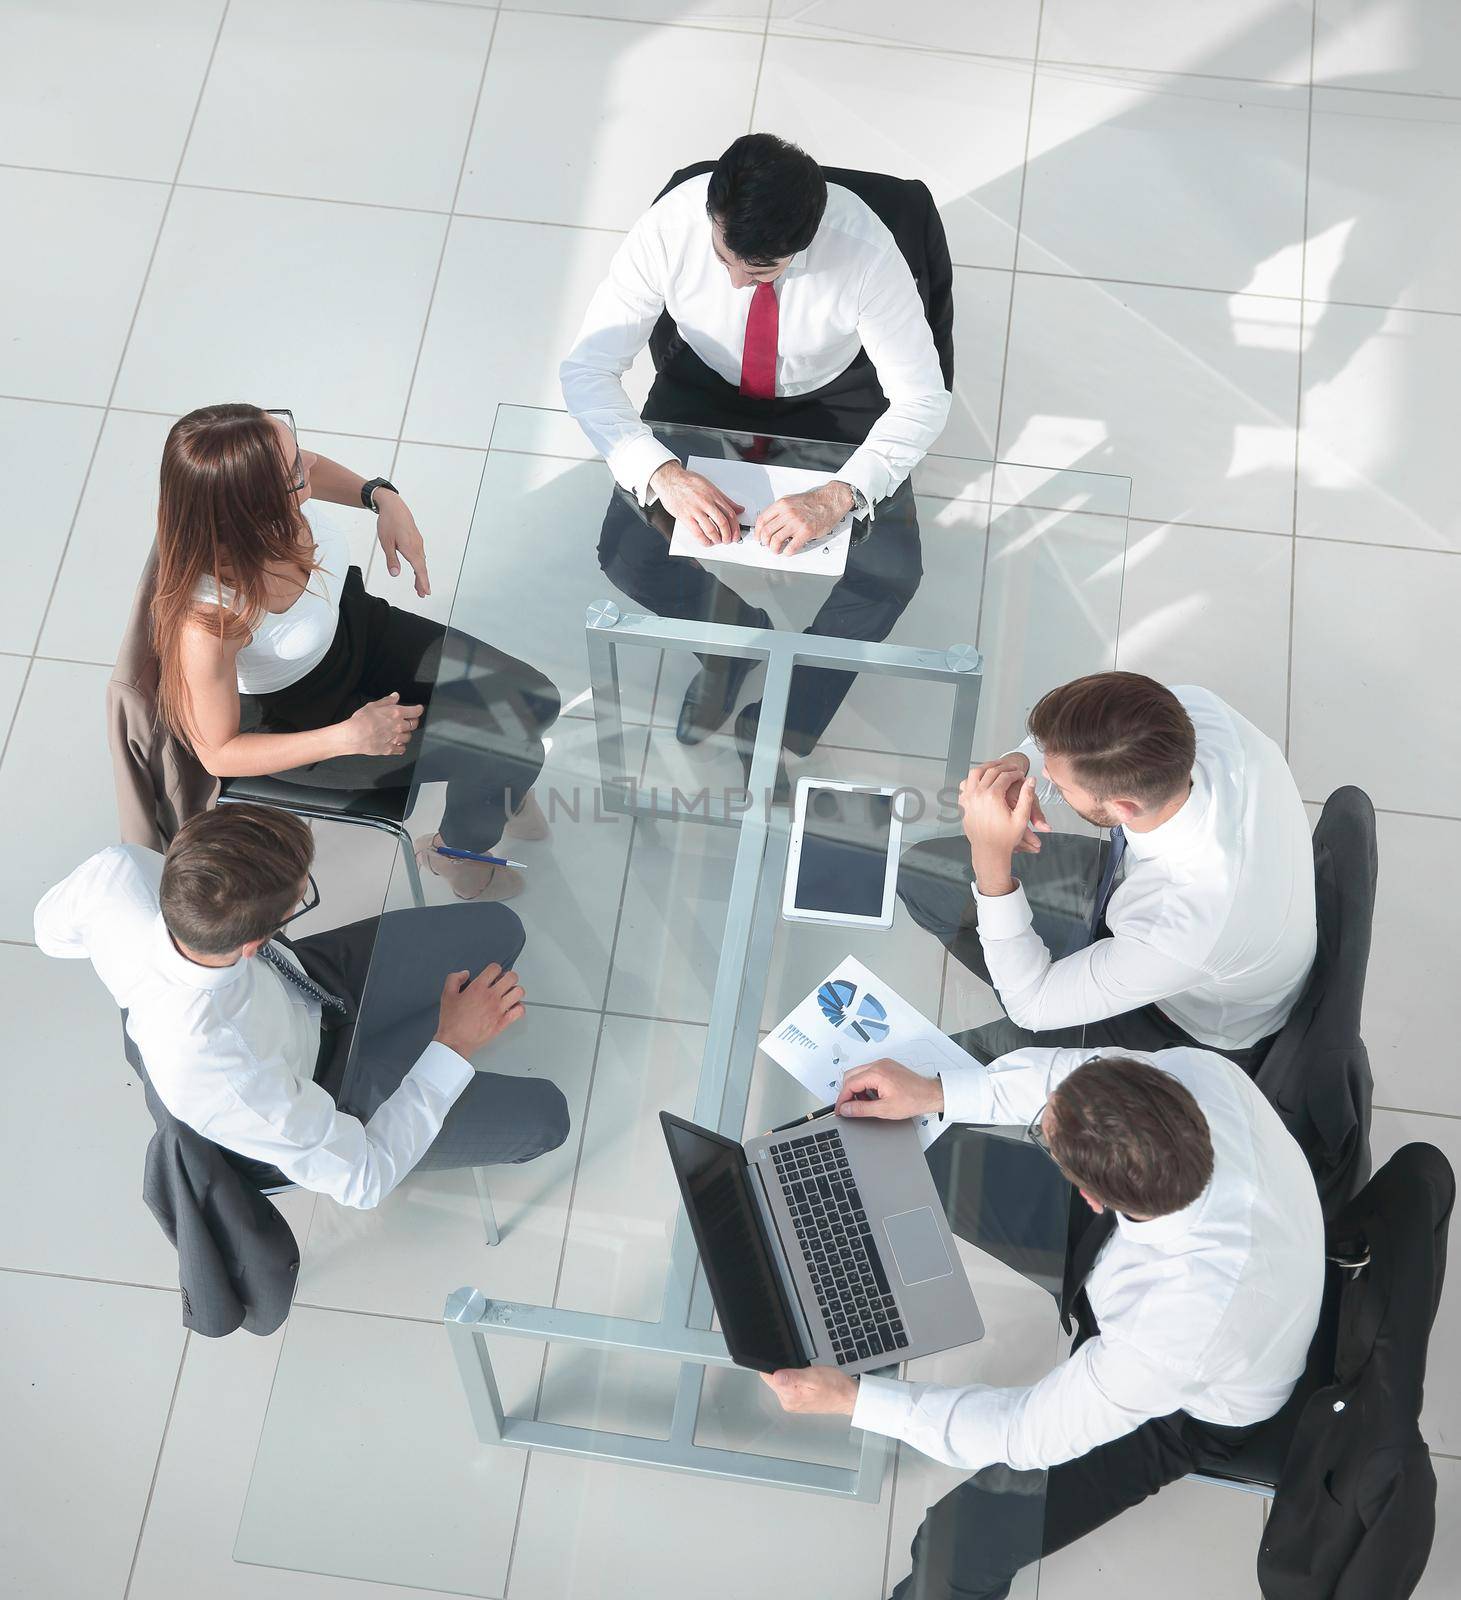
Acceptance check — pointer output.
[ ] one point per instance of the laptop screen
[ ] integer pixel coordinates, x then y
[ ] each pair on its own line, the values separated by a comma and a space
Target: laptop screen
754, 1315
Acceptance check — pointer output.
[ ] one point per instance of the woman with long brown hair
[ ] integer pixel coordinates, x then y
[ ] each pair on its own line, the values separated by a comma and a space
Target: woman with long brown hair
275, 660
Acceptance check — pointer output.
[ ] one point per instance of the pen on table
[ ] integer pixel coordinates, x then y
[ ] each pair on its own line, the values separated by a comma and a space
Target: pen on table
476, 855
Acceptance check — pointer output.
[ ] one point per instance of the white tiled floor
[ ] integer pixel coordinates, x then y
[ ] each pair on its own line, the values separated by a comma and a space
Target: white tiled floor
388, 214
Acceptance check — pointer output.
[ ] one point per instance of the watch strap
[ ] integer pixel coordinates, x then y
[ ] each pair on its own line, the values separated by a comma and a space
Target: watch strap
368, 488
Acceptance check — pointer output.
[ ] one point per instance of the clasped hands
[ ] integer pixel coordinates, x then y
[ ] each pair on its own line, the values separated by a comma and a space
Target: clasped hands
881, 1089
784, 527
1002, 819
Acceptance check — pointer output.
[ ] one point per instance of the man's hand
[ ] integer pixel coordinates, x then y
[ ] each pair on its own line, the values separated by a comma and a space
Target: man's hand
997, 807
813, 1389
1018, 764
399, 536
711, 513
475, 1010
789, 524
886, 1089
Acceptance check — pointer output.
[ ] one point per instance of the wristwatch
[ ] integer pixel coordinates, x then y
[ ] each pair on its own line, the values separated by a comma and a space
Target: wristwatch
367, 492
859, 499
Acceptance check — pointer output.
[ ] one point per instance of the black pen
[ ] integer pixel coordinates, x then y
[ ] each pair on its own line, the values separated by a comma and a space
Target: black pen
811, 1116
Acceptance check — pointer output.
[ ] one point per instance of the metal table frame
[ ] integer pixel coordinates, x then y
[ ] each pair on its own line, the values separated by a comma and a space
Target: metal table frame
683, 1329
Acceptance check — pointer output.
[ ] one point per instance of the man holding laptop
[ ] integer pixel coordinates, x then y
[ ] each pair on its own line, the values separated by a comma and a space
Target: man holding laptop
1195, 1283
791, 310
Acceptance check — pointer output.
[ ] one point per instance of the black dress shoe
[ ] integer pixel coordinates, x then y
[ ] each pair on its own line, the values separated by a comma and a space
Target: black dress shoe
745, 747
711, 697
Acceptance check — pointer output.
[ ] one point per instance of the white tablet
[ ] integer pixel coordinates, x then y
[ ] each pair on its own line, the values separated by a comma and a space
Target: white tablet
843, 863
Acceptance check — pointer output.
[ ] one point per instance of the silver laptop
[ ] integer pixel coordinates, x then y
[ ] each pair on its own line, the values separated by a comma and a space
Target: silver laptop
824, 1243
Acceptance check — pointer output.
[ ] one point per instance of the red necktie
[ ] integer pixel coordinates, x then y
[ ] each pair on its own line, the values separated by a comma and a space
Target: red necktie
758, 357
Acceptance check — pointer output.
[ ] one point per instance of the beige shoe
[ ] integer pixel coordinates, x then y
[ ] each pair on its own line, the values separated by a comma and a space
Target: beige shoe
528, 821
469, 880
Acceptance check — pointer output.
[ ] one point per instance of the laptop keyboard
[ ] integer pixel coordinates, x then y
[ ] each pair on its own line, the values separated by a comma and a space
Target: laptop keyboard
852, 1288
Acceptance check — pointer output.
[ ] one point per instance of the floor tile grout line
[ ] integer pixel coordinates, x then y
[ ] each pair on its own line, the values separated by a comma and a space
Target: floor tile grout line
122, 354
14, 716
1168, 72
680, 24
445, 245
1415, 1111
760, 67
86, 1277
157, 1464
1288, 697
82, 172
1009, 328
1206, 288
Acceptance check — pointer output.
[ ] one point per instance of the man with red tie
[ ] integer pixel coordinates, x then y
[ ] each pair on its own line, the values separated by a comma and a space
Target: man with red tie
794, 312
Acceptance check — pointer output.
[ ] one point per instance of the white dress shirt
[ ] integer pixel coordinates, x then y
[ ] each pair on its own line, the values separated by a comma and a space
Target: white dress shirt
1212, 916
850, 289
231, 1050
1209, 1310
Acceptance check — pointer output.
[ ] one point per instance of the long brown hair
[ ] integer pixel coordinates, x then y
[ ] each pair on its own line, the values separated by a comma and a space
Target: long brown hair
225, 511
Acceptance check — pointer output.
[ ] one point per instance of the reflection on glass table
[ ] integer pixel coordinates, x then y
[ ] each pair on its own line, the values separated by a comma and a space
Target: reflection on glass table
659, 882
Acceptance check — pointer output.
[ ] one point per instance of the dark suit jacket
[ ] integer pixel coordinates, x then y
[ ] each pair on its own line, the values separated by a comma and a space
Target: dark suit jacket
1317, 1072
160, 782
237, 1257
906, 209
1354, 1513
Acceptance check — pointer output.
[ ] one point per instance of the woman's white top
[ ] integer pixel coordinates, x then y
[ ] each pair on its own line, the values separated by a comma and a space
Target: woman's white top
286, 645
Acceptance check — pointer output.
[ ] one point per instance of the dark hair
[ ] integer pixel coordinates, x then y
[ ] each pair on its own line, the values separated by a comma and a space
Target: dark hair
1125, 736
1131, 1136
768, 197
232, 875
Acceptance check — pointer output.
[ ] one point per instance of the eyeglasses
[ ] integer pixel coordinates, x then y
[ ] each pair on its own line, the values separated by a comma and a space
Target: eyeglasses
297, 470
1035, 1133
310, 901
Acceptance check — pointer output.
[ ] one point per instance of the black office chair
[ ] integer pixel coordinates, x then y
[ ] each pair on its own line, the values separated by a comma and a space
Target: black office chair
1317, 1071
906, 209
1344, 1462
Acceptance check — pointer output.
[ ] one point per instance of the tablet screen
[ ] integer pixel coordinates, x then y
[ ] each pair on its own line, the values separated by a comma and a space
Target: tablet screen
844, 853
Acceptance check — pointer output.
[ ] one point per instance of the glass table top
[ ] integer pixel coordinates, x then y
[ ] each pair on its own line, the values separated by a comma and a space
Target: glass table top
369, 1463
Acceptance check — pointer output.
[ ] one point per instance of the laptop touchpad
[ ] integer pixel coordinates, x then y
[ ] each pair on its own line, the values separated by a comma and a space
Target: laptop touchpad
917, 1246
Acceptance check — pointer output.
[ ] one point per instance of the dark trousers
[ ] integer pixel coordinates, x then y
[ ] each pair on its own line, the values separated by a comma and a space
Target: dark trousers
884, 568
935, 883
973, 1541
363, 1057
1008, 1198
488, 713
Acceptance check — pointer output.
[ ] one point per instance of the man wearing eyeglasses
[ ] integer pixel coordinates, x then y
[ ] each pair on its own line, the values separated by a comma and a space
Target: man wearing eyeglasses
277, 1050
1195, 1284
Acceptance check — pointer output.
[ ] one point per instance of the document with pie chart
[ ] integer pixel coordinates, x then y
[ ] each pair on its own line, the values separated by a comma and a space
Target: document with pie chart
850, 1019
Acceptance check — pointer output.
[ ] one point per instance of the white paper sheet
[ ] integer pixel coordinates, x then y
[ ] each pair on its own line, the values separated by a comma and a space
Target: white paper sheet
754, 486
847, 1021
